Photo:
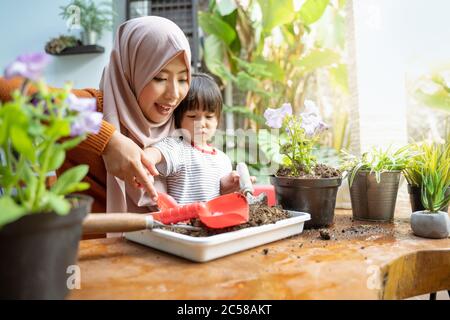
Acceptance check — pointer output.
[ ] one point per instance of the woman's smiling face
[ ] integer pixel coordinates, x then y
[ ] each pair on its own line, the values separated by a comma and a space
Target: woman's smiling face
164, 92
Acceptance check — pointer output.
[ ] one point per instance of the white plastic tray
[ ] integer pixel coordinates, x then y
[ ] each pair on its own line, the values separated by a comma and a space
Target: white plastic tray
202, 249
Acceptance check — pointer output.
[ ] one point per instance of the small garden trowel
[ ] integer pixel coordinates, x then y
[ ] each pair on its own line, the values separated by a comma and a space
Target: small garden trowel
247, 187
224, 211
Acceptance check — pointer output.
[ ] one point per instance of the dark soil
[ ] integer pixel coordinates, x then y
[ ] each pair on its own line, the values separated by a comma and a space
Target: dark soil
258, 215
356, 230
318, 171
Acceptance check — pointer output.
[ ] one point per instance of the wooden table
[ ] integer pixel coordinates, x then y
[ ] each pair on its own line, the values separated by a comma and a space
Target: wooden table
301, 267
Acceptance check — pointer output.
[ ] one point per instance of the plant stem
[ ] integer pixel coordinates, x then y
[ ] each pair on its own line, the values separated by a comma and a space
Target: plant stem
42, 174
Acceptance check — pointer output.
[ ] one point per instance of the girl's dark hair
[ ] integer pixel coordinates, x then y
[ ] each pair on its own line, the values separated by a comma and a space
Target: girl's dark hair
204, 94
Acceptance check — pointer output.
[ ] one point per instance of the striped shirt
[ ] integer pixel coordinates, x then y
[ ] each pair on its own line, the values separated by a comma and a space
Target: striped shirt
191, 174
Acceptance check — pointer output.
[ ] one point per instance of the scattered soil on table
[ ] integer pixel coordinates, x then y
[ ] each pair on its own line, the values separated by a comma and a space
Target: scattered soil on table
356, 230
258, 215
318, 171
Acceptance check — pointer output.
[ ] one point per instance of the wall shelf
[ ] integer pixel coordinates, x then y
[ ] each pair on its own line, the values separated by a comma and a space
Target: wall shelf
80, 50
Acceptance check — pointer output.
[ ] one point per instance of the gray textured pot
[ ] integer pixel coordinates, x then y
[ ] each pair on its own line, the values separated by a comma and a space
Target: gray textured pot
430, 225
314, 196
374, 201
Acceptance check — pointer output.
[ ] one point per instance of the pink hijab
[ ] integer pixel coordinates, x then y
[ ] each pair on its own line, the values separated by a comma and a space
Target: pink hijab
143, 46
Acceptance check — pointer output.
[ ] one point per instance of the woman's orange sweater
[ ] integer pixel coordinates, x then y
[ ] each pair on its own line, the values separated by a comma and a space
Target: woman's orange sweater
87, 152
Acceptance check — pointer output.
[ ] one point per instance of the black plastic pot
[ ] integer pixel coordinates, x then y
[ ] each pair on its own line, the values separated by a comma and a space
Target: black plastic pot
414, 198
36, 250
374, 201
314, 196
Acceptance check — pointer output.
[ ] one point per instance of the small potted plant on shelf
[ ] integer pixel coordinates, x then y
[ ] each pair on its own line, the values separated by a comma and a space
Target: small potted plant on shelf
93, 18
58, 45
40, 224
302, 184
433, 221
427, 156
373, 179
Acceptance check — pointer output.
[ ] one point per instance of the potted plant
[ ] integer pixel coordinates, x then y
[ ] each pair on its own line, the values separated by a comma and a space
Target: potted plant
93, 18
40, 225
428, 156
373, 179
433, 222
302, 184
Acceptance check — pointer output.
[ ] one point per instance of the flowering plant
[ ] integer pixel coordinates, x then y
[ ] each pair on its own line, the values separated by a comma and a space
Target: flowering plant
35, 133
298, 136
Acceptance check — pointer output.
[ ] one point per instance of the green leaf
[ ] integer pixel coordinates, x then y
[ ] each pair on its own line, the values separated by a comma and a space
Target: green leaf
10, 211
318, 58
22, 143
312, 10
4, 128
276, 72
58, 204
439, 100
32, 182
226, 7
214, 25
59, 128
276, 13
339, 77
69, 181
57, 158
214, 54
72, 143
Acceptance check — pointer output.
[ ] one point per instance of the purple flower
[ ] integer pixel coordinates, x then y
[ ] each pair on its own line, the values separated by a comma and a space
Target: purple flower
28, 65
81, 104
274, 117
86, 122
311, 121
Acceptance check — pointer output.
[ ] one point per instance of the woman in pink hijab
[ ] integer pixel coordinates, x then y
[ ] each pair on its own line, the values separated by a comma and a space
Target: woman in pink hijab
147, 77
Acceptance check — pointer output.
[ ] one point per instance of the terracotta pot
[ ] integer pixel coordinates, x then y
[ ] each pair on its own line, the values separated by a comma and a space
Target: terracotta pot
37, 250
314, 196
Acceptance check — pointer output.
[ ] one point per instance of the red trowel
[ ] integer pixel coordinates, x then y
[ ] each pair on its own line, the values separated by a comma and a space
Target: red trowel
224, 211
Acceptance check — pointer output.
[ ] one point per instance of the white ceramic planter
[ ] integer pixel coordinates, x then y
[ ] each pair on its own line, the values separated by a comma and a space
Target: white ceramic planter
430, 225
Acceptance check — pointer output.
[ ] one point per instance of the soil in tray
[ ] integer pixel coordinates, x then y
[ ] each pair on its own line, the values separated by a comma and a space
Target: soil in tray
318, 171
258, 215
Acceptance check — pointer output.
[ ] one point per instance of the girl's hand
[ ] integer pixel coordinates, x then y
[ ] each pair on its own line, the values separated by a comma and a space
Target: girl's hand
230, 183
127, 161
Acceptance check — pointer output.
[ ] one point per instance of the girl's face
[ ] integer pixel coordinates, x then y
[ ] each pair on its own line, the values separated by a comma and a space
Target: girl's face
200, 124
164, 92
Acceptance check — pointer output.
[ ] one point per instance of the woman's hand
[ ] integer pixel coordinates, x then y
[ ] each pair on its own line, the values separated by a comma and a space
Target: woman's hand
230, 183
127, 161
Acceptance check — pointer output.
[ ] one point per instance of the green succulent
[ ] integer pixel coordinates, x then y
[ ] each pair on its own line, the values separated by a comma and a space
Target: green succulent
428, 157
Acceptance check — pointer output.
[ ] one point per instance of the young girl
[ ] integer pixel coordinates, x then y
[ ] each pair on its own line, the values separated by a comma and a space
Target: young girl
192, 167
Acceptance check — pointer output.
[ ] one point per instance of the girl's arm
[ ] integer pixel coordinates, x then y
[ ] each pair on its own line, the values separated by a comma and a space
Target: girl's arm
153, 154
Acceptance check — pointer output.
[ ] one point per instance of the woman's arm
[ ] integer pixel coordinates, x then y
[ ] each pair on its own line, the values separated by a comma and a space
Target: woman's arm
126, 160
